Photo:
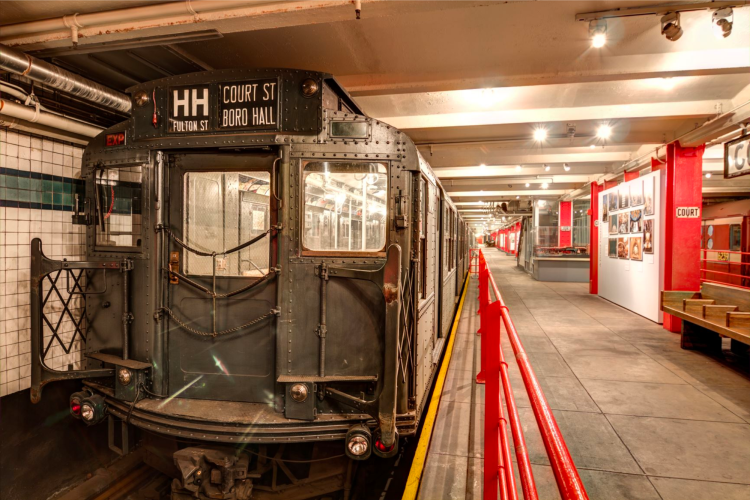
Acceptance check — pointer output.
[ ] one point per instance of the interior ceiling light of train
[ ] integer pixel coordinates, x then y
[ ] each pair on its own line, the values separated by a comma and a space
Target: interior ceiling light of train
505, 111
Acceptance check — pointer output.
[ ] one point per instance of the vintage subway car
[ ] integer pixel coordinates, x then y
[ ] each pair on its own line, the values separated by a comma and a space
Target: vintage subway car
267, 270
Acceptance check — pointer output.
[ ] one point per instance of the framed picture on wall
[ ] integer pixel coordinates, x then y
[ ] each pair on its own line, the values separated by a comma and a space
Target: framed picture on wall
605, 208
624, 196
612, 251
623, 222
636, 248
613, 223
622, 248
648, 193
636, 221
648, 236
636, 193
613, 201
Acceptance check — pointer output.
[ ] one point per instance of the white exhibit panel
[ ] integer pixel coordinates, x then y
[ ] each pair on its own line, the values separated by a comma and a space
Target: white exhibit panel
631, 236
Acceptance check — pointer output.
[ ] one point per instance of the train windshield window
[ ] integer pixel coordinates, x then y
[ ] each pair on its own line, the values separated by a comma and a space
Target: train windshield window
118, 198
222, 211
345, 206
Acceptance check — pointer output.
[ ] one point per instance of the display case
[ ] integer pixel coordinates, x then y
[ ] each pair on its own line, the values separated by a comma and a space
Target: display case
552, 261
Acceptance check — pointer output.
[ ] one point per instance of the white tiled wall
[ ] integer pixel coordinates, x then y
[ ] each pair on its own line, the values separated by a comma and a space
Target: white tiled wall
60, 239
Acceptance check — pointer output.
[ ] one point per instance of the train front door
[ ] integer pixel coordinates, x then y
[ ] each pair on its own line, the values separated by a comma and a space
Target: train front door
220, 249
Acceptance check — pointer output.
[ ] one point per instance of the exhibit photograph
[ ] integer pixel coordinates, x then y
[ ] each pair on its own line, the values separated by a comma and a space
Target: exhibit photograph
636, 251
622, 248
648, 236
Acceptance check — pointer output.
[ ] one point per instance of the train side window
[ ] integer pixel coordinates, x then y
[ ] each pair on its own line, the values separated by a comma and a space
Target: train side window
119, 199
223, 210
346, 205
423, 238
735, 237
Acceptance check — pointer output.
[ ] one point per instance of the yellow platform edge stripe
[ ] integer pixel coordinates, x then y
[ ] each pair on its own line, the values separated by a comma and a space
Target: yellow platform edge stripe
417, 465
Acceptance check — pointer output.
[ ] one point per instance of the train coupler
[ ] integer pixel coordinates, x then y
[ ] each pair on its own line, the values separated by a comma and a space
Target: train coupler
212, 473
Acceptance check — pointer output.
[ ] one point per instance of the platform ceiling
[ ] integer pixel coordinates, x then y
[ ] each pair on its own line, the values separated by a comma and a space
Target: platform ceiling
469, 81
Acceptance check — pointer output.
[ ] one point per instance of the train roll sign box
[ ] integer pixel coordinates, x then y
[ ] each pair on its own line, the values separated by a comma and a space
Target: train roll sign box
737, 157
249, 105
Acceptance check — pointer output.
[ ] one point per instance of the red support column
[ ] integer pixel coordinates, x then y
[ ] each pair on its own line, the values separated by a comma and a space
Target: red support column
594, 239
566, 220
656, 164
683, 178
609, 184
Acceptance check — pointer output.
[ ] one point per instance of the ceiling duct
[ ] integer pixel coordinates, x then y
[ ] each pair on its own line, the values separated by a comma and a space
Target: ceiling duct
17, 62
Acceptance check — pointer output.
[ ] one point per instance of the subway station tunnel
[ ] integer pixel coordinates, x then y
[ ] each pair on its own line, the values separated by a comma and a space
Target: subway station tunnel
374, 249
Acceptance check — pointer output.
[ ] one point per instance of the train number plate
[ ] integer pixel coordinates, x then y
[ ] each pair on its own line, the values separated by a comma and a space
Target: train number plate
190, 109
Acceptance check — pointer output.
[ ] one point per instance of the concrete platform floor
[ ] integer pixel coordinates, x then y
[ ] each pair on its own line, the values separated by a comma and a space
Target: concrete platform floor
643, 419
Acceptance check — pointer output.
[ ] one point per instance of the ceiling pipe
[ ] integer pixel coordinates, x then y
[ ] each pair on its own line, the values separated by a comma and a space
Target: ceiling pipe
34, 115
17, 62
76, 22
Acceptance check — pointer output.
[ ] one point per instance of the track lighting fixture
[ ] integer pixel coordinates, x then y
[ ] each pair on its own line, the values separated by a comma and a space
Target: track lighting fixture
546, 168
566, 167
598, 33
540, 134
670, 26
722, 20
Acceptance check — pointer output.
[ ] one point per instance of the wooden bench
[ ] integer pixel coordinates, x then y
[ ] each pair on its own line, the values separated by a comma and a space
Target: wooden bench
708, 315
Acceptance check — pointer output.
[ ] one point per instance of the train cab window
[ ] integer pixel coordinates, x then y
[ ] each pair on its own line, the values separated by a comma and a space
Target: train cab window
345, 207
735, 237
223, 210
118, 215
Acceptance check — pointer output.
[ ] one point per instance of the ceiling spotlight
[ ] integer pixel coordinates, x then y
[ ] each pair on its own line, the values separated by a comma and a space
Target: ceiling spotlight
517, 197
670, 26
604, 132
566, 167
527, 184
482, 166
722, 20
540, 134
598, 33
518, 167
546, 168
592, 146
545, 185
708, 175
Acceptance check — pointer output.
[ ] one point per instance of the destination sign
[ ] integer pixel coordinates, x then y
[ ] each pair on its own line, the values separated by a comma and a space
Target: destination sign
247, 105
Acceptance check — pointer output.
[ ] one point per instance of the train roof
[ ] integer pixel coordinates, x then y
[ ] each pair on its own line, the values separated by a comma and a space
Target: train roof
739, 208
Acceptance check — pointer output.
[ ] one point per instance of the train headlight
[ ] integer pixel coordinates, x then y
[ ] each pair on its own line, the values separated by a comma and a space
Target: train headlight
358, 442
87, 412
299, 392
124, 375
140, 98
358, 446
309, 87
93, 409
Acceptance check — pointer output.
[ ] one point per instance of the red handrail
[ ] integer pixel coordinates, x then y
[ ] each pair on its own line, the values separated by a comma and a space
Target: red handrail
494, 369
734, 279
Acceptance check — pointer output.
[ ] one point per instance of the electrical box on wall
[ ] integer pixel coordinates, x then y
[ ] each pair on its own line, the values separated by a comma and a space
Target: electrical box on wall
631, 236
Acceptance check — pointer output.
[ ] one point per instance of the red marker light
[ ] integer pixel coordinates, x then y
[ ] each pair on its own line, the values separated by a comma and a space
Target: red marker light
383, 448
75, 408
